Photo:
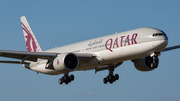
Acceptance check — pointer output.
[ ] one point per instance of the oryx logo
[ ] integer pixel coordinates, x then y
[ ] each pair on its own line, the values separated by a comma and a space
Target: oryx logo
30, 43
57, 62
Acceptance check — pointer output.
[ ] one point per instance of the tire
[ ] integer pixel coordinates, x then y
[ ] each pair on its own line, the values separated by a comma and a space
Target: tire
63, 80
66, 77
105, 80
111, 81
71, 77
60, 81
66, 82
116, 77
111, 78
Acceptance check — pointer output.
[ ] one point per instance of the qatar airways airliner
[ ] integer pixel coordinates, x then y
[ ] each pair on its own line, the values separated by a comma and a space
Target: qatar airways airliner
142, 46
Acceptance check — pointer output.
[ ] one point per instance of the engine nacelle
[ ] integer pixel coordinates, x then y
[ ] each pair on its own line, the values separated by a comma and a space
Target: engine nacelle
146, 63
66, 61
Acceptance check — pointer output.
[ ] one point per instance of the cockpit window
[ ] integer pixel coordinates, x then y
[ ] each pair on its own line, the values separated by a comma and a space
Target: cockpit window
158, 34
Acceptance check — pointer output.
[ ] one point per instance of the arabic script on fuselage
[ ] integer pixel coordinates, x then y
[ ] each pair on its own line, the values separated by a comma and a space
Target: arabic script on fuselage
95, 42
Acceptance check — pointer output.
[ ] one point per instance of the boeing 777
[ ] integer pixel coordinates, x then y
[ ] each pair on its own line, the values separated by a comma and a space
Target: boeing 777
142, 46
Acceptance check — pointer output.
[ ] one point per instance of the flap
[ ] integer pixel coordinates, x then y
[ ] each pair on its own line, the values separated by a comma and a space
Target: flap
33, 56
85, 57
23, 55
14, 62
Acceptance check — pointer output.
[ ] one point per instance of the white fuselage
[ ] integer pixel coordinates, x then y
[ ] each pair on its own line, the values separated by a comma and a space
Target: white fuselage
111, 49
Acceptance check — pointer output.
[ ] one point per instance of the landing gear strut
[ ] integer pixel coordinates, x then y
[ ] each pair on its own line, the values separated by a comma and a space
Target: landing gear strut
66, 79
154, 60
111, 77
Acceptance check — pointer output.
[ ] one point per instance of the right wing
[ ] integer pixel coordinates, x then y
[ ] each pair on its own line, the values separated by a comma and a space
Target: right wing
171, 48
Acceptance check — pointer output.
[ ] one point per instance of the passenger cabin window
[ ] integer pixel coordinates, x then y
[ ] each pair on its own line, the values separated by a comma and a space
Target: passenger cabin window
157, 34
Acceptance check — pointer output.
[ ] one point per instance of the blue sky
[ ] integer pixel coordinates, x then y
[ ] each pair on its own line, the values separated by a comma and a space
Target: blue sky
59, 22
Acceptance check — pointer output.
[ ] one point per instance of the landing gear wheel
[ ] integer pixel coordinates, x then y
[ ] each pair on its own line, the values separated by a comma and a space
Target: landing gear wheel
105, 80
60, 81
116, 77
66, 79
111, 77
63, 79
72, 77
66, 82
111, 81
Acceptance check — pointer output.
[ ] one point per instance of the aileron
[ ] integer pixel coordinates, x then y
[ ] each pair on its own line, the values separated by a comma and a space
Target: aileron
30, 56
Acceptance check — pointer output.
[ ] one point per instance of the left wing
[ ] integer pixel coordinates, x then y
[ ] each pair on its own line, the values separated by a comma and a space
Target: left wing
23, 55
34, 56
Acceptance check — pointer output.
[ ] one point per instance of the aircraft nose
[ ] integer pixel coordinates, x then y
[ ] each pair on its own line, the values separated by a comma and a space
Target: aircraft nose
164, 36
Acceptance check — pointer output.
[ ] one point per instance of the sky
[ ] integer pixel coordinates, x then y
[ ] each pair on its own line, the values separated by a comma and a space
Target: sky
61, 22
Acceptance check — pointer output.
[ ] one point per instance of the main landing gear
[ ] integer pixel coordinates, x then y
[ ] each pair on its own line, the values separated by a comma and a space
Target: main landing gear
111, 77
66, 79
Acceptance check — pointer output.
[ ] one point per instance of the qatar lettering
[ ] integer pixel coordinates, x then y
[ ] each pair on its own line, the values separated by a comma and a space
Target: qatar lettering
121, 41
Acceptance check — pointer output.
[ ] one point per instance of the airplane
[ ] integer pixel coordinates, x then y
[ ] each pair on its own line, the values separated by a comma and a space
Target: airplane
142, 46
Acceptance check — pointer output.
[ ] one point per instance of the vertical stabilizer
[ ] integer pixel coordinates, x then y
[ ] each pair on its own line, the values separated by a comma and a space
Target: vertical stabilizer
32, 44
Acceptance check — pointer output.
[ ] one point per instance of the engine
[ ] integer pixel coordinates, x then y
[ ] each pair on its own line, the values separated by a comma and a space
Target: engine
67, 61
146, 63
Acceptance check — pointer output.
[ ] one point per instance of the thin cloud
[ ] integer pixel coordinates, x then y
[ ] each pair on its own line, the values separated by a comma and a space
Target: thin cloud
88, 93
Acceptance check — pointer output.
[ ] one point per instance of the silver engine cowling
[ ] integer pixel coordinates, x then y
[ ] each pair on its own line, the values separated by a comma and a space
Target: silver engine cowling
66, 61
146, 63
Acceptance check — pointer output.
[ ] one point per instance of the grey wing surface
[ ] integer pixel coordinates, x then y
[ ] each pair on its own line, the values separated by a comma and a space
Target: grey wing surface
171, 48
34, 56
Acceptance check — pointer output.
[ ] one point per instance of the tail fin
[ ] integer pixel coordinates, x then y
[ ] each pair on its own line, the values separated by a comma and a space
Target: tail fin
32, 44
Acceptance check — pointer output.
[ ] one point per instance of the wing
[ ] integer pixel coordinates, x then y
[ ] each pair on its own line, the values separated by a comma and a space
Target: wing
23, 55
34, 56
171, 48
